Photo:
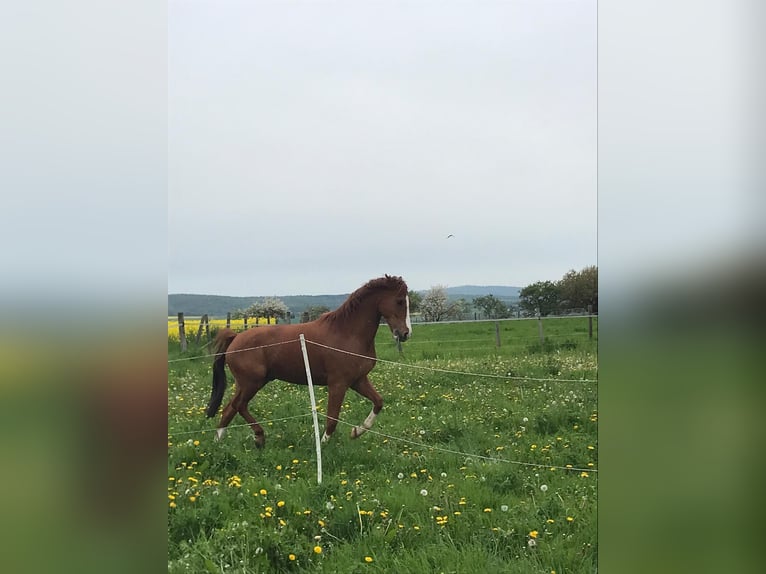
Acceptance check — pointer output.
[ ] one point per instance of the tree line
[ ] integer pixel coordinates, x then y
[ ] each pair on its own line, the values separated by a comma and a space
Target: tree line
576, 290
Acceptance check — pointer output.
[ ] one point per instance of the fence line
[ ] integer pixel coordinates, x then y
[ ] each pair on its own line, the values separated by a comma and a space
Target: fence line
400, 439
483, 457
385, 361
238, 426
313, 412
452, 372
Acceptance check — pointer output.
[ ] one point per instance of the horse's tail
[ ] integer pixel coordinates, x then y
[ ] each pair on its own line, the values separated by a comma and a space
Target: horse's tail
222, 342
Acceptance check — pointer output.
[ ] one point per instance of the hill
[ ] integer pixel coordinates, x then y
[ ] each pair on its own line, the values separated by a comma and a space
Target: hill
218, 305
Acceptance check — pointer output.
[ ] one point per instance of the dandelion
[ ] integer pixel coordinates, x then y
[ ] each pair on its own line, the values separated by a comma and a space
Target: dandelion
329, 505
279, 467
424, 492
291, 557
487, 510
544, 487
263, 492
400, 476
504, 508
368, 559
533, 534
196, 443
584, 474
531, 543
172, 504
444, 475
281, 503
570, 519
317, 549
192, 499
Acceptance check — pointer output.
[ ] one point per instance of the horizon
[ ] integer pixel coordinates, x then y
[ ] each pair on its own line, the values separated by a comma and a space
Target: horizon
448, 287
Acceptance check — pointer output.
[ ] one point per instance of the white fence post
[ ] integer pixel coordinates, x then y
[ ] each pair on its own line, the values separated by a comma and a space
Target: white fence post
313, 409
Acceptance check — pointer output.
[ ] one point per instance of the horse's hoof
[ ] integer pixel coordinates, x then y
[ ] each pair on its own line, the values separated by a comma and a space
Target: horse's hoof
260, 441
355, 433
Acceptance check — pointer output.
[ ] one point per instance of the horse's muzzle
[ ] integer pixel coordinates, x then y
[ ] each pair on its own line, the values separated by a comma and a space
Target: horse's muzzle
401, 336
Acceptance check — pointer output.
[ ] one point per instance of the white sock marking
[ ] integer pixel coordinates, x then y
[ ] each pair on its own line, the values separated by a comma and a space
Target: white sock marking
219, 434
325, 437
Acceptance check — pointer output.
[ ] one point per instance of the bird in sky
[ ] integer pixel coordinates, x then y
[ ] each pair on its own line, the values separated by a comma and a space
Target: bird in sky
450, 235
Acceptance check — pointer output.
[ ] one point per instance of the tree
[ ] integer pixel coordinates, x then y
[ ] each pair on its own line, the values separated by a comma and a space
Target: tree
542, 296
435, 305
492, 307
314, 312
269, 307
579, 289
415, 301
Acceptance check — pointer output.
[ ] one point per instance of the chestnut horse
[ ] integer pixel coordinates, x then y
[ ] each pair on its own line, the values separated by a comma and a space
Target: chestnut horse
263, 354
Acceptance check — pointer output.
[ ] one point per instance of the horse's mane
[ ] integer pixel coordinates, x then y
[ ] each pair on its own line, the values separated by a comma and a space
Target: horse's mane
350, 305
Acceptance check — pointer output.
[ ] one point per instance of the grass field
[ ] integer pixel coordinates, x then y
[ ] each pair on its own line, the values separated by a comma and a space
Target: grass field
471, 466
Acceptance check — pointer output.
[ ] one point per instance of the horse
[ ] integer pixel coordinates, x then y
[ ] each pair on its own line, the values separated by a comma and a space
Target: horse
340, 347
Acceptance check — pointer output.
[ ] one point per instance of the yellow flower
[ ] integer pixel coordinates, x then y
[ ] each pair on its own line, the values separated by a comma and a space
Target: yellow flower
570, 519
196, 443
368, 559
172, 505
263, 492
487, 510
291, 557
192, 498
317, 549
321, 523
533, 534
279, 467
281, 503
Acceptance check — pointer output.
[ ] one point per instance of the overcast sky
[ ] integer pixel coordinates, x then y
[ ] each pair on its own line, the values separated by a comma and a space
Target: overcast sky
315, 145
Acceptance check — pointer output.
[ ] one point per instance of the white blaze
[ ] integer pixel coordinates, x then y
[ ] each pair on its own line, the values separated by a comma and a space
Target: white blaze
407, 320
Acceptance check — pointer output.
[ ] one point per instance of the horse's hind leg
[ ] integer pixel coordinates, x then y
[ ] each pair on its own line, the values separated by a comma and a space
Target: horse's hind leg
364, 387
238, 404
245, 398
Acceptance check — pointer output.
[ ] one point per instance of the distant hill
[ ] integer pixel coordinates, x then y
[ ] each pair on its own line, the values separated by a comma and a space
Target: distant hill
499, 291
218, 305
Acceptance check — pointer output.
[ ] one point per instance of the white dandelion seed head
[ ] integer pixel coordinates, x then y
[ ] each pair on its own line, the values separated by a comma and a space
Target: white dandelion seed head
504, 508
329, 505
424, 492
543, 487
400, 475
525, 420
444, 475
531, 543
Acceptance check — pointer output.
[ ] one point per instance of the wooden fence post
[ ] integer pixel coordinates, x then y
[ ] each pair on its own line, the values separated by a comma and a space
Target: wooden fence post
181, 332
203, 324
497, 334
244, 322
590, 322
540, 326
228, 320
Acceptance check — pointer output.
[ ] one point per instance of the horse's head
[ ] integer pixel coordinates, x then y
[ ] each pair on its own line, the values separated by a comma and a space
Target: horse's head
395, 307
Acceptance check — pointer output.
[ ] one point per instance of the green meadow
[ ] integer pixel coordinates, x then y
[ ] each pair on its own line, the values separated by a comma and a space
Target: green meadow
484, 459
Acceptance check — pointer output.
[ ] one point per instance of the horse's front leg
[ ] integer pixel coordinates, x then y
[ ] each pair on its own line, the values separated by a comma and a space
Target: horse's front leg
364, 387
335, 393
